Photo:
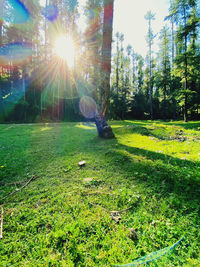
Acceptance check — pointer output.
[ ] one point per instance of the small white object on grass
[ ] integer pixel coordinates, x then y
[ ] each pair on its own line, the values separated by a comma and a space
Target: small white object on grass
88, 180
82, 163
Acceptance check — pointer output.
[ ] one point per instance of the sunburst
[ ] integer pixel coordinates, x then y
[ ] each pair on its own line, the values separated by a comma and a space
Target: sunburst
65, 49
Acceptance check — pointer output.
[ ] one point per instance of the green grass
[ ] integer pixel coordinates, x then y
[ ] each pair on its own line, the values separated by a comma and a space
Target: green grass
62, 218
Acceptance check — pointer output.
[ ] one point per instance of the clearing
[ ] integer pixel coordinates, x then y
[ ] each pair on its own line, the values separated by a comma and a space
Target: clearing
149, 175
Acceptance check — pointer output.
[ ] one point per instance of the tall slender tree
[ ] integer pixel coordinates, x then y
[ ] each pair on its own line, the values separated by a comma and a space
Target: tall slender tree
164, 55
117, 64
104, 130
149, 17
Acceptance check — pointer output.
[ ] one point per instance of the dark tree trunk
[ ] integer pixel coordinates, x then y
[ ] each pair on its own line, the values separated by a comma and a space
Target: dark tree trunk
106, 53
164, 108
104, 130
185, 74
185, 108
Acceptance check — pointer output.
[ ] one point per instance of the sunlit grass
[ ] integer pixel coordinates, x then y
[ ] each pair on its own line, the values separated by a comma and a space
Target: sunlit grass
86, 127
46, 129
166, 139
154, 168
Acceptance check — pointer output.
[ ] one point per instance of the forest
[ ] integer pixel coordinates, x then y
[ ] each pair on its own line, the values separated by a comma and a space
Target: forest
37, 85
127, 196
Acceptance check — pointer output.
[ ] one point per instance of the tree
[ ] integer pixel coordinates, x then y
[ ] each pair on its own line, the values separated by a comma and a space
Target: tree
117, 64
134, 66
93, 37
115, 99
187, 22
149, 17
164, 72
104, 130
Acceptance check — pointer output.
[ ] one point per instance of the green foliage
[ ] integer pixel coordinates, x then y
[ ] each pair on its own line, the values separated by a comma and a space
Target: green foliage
59, 219
166, 87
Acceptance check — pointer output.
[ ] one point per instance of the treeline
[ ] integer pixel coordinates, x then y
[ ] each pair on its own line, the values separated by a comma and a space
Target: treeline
165, 85
36, 85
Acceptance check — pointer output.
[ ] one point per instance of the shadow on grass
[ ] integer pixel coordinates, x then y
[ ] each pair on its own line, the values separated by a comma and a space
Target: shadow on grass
163, 173
188, 125
160, 173
48, 151
159, 132
30, 149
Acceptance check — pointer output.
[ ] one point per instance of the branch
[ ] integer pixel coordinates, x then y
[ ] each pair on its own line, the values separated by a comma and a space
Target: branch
97, 206
18, 189
14, 183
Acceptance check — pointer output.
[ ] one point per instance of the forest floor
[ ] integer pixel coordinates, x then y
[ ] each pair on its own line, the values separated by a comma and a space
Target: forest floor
57, 213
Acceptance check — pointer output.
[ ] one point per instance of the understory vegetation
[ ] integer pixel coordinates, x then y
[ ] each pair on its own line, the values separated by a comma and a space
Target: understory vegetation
149, 175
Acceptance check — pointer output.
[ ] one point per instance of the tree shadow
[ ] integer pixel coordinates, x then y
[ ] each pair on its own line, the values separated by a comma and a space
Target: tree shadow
158, 133
162, 173
188, 125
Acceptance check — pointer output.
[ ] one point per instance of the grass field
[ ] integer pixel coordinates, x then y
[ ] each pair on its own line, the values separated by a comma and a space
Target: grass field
150, 172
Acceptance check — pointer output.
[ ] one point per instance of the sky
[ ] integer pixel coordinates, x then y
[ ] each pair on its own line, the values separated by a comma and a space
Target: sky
129, 20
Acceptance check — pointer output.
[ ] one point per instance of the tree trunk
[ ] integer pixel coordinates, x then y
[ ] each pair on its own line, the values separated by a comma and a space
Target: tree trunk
149, 16
164, 108
186, 108
104, 130
117, 67
185, 74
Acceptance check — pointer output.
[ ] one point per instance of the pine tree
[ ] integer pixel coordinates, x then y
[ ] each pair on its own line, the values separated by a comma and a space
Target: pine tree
164, 71
184, 10
149, 17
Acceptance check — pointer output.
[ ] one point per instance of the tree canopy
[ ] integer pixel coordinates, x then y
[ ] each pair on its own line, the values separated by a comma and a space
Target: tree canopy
38, 83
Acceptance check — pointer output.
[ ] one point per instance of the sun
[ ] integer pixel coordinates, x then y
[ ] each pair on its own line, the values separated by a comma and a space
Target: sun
65, 49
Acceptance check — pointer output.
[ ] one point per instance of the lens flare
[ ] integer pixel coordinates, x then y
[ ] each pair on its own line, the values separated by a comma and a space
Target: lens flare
88, 107
14, 11
15, 52
50, 12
